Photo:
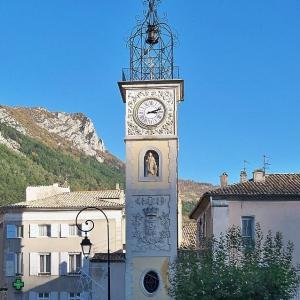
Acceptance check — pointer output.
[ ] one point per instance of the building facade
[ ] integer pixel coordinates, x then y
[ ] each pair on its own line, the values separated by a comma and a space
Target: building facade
272, 200
41, 242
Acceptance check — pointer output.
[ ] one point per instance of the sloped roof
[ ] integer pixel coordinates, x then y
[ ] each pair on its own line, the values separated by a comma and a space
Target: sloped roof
274, 184
189, 233
103, 198
113, 257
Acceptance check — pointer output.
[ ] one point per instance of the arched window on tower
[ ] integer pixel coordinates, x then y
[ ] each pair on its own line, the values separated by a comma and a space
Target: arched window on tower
151, 164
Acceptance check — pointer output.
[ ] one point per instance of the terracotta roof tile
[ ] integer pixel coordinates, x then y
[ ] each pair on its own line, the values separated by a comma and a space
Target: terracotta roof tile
104, 198
114, 257
274, 184
285, 187
189, 233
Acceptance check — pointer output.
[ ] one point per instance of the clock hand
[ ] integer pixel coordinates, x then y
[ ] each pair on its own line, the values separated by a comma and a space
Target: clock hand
155, 111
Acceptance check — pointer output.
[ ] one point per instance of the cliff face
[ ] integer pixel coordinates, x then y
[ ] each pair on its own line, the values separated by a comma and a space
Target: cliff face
44, 147
64, 131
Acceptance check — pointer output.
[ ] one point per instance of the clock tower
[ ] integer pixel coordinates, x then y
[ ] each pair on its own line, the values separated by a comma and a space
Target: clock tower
151, 90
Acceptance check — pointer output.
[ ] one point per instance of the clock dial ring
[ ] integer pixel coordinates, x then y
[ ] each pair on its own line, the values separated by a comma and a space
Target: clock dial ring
149, 112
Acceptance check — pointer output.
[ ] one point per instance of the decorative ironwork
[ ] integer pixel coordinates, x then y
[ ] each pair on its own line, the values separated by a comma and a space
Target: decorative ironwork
90, 226
151, 282
151, 48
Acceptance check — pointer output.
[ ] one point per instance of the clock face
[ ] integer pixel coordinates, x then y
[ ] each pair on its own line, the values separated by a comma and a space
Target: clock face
150, 112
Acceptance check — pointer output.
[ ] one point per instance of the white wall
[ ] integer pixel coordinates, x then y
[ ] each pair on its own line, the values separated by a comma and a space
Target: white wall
283, 216
99, 277
220, 220
42, 192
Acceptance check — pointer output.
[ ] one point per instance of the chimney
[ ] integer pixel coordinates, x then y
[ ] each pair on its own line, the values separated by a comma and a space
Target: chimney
243, 176
224, 179
258, 175
42, 192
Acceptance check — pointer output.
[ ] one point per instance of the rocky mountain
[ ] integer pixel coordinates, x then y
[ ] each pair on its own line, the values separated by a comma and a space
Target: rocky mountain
63, 131
190, 192
39, 147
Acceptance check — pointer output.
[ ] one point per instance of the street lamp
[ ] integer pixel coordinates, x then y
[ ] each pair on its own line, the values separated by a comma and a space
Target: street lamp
86, 244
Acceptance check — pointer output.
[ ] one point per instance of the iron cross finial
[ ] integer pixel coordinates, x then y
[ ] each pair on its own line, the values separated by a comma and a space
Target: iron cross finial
152, 5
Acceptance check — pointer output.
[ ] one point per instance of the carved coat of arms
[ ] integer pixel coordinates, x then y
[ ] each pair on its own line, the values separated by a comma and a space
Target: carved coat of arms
151, 224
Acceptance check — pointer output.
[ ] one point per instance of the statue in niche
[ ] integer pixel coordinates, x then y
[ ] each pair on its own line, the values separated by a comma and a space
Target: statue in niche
151, 162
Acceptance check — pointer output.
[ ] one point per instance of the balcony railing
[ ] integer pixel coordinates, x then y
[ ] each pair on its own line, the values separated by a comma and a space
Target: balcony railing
147, 73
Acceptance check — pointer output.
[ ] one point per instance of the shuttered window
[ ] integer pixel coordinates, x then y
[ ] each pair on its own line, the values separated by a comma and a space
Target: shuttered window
10, 264
73, 230
43, 296
19, 263
74, 262
44, 230
45, 263
14, 231
74, 296
248, 230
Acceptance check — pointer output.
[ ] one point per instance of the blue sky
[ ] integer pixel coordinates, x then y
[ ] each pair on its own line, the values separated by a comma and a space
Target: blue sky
239, 59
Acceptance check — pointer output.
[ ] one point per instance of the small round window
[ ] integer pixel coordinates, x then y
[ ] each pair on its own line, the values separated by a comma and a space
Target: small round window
151, 282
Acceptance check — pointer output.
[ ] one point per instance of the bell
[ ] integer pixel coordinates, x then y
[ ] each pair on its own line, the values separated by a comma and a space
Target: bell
152, 35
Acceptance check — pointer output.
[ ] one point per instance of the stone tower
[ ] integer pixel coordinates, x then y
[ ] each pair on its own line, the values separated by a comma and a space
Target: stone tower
151, 90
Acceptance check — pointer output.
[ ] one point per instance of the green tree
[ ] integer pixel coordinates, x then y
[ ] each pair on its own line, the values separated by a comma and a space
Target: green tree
38, 164
231, 268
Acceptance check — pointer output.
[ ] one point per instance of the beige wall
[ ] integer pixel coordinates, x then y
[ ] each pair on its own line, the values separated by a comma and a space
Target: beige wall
117, 278
141, 266
135, 164
58, 245
141, 257
280, 216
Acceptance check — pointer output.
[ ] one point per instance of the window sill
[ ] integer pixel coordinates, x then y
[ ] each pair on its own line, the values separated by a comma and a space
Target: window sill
74, 273
44, 274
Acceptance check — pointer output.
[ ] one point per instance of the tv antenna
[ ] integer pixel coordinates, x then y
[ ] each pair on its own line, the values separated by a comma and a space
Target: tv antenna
266, 164
245, 165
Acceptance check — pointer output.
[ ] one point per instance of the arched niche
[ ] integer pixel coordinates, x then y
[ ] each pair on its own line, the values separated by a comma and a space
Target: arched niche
150, 164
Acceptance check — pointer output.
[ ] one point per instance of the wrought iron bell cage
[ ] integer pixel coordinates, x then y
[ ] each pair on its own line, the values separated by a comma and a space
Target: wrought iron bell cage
151, 49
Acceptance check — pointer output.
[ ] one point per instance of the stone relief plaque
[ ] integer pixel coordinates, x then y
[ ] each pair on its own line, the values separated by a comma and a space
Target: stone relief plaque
166, 127
151, 222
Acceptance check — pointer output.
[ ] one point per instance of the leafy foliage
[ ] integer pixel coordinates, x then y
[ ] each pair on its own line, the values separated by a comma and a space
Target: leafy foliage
41, 165
187, 207
229, 269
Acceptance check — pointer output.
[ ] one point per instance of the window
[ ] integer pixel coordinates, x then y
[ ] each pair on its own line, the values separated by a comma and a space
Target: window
248, 230
43, 296
44, 230
74, 231
74, 296
151, 282
45, 263
74, 262
9, 264
19, 263
19, 231
14, 231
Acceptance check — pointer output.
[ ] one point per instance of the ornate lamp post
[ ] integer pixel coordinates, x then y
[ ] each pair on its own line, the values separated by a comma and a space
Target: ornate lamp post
86, 244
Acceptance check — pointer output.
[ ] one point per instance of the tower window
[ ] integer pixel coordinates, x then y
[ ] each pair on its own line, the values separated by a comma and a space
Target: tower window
151, 164
151, 282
